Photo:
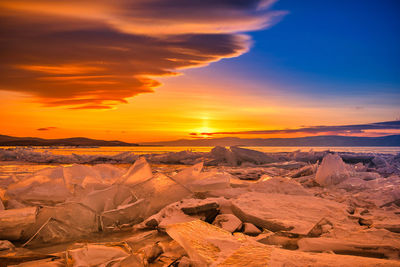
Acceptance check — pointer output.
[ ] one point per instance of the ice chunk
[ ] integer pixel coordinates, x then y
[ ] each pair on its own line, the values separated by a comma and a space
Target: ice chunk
295, 213
159, 192
284, 257
229, 222
25, 257
279, 185
51, 172
208, 245
331, 171
6, 245
182, 157
39, 189
98, 254
14, 204
223, 155
139, 172
74, 175
54, 231
304, 171
188, 175
127, 214
213, 180
90, 183
29, 155
14, 222
109, 198
363, 248
109, 173
251, 229
248, 155
70, 215
52, 262
184, 211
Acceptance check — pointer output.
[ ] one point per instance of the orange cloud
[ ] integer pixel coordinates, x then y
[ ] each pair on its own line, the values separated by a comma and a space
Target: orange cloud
96, 54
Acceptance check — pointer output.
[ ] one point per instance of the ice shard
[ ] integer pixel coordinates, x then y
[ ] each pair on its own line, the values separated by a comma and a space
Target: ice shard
139, 172
332, 171
188, 175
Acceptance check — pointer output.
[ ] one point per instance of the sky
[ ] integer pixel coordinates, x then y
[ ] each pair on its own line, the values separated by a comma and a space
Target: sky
155, 70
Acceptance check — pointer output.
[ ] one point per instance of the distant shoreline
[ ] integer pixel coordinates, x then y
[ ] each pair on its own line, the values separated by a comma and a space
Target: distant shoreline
310, 141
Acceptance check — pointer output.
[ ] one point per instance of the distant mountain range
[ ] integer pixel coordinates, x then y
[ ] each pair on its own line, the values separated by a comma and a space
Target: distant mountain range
328, 140
6, 140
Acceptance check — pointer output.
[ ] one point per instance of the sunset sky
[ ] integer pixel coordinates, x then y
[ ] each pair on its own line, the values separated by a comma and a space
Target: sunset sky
153, 70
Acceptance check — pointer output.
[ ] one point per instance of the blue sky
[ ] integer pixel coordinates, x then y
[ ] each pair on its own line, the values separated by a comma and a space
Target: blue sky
326, 48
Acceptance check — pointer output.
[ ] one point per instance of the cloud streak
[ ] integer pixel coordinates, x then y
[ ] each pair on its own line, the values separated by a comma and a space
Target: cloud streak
46, 128
97, 54
341, 129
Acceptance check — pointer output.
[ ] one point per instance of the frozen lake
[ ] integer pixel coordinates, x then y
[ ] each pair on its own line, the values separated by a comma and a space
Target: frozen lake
163, 149
26, 167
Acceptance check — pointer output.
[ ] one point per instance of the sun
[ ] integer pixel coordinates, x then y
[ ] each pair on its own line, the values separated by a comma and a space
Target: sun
204, 130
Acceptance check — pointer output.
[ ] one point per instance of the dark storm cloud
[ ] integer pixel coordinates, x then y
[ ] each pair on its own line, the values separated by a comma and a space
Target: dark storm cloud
95, 54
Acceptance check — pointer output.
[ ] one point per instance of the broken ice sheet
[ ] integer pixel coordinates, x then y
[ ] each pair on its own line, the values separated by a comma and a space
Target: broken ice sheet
108, 254
13, 223
295, 213
208, 245
70, 219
